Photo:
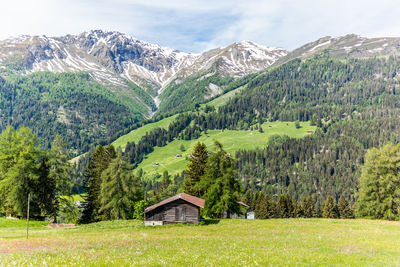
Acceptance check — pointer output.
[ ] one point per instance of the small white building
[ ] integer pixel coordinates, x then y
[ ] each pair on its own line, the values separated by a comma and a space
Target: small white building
250, 215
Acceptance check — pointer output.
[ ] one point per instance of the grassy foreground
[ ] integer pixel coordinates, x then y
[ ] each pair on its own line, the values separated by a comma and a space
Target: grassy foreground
295, 242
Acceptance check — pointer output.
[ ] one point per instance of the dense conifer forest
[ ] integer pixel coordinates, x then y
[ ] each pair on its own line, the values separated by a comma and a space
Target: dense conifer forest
72, 105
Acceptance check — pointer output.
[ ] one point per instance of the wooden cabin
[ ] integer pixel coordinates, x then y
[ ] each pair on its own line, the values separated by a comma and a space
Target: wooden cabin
243, 207
182, 208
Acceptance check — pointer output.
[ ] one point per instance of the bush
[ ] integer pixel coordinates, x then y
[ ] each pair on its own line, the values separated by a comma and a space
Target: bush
139, 209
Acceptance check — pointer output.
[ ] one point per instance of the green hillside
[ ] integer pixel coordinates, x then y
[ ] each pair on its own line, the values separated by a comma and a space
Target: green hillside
136, 134
73, 105
181, 96
232, 141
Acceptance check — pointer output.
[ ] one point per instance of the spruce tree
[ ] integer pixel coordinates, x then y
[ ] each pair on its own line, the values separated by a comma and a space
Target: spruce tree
167, 188
260, 206
308, 208
23, 171
247, 198
59, 175
284, 206
220, 184
296, 210
253, 204
182, 148
195, 170
344, 209
99, 161
269, 211
379, 195
330, 208
119, 189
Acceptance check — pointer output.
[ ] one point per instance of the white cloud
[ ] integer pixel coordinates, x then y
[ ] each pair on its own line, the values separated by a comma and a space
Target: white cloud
196, 25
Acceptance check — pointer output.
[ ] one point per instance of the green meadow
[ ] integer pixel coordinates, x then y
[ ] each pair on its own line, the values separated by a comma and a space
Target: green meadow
274, 242
165, 158
135, 135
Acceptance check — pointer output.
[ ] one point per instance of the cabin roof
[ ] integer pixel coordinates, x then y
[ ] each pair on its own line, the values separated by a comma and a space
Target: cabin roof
242, 203
189, 198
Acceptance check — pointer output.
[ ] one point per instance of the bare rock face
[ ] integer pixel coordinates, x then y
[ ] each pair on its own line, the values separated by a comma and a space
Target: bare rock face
114, 59
349, 46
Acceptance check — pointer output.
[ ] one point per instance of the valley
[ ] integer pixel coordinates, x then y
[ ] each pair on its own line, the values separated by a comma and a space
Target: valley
282, 123
199, 133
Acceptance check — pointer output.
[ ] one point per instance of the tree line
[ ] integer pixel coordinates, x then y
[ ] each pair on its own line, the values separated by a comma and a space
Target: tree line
112, 191
266, 207
26, 169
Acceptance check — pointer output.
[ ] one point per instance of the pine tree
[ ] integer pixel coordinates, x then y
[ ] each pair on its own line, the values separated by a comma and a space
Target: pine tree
23, 170
260, 206
296, 210
265, 208
195, 170
379, 195
344, 209
59, 174
167, 188
220, 184
253, 204
99, 161
330, 208
119, 189
308, 208
284, 206
247, 198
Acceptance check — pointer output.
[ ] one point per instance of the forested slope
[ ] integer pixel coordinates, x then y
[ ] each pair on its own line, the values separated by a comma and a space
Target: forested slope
69, 104
354, 102
321, 87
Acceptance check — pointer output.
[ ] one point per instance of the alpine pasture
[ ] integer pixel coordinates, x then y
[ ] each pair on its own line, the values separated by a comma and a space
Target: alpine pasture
278, 242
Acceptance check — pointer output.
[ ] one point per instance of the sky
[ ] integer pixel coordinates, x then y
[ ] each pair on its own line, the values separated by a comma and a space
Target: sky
199, 25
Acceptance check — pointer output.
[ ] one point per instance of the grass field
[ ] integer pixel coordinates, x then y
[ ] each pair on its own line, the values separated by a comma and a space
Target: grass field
135, 135
277, 242
231, 140
76, 197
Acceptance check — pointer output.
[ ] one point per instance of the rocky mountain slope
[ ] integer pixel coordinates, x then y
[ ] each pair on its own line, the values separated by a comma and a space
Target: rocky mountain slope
129, 67
348, 46
215, 69
129, 79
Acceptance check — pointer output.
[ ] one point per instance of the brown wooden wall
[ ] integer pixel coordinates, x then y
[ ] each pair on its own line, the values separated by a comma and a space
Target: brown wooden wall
178, 211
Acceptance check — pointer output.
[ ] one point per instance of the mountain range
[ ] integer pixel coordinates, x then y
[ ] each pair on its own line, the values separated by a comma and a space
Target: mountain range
92, 85
115, 60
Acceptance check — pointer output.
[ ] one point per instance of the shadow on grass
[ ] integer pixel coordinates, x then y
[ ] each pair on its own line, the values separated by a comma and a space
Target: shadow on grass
209, 221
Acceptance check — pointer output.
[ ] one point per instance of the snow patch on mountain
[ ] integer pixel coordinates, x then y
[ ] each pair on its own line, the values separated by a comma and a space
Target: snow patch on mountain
112, 58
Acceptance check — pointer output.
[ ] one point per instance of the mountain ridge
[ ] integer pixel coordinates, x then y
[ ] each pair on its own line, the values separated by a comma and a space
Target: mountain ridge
113, 59
140, 78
